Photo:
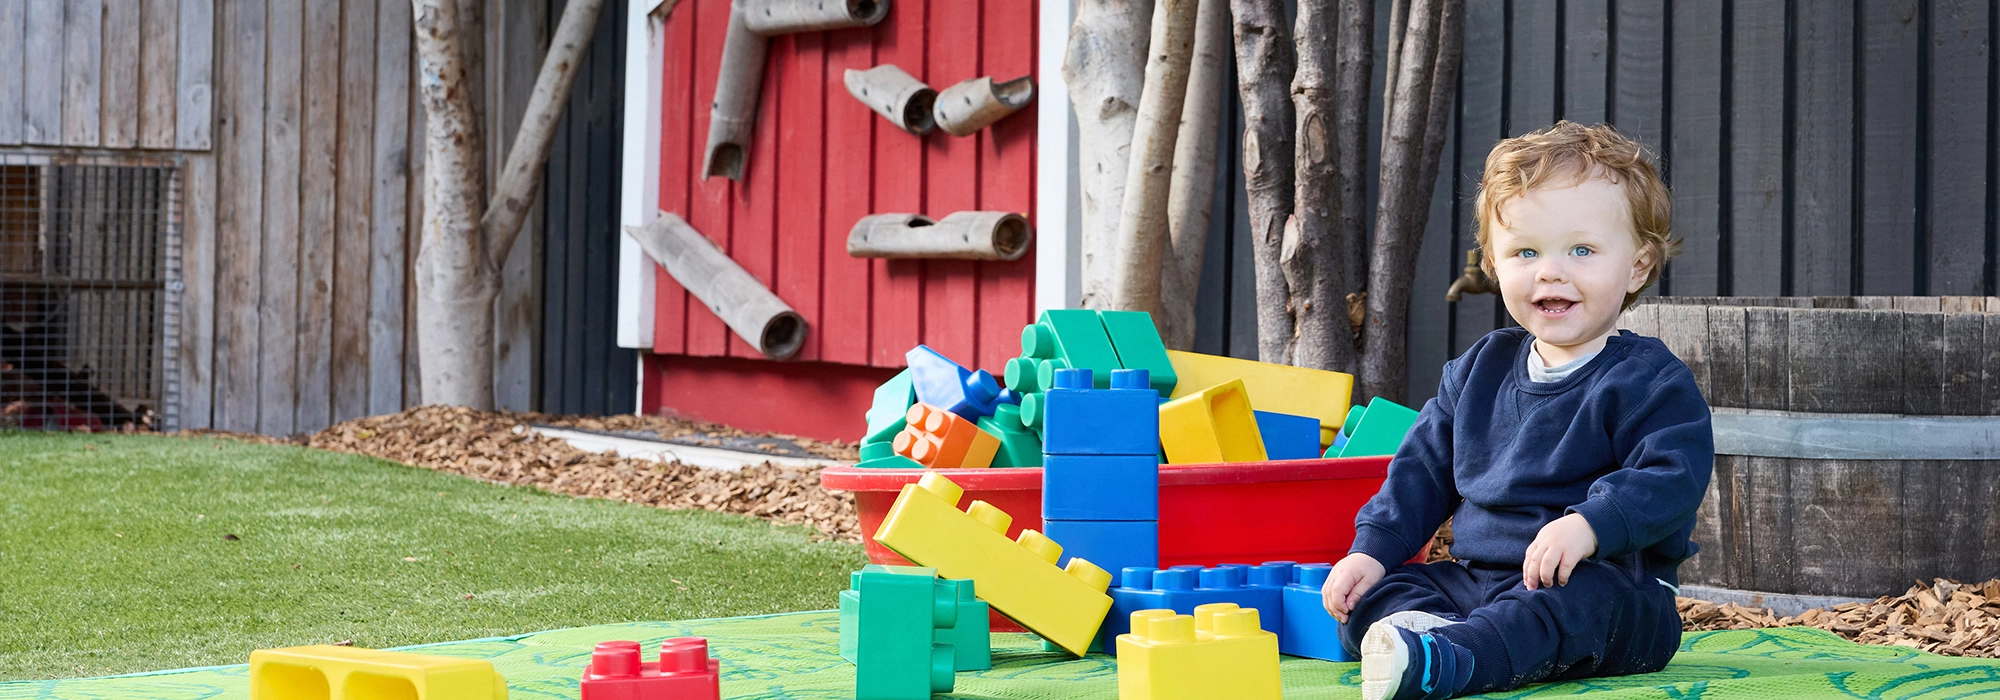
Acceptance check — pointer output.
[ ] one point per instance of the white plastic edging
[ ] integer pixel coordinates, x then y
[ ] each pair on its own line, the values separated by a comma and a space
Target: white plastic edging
639, 181
1058, 212
656, 451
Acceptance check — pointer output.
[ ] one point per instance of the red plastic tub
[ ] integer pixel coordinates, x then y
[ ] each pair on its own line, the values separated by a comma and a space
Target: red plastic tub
1248, 512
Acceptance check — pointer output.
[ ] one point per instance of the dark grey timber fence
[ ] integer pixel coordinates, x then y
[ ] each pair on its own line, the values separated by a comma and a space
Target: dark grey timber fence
583, 371
1815, 148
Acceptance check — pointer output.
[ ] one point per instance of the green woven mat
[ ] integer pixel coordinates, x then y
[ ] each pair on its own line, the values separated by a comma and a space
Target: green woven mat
797, 656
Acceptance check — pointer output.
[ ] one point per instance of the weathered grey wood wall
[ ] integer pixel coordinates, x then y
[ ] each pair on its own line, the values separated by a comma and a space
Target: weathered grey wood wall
301, 144
1837, 147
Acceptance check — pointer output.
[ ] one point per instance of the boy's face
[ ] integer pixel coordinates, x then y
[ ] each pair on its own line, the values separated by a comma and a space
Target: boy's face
1566, 257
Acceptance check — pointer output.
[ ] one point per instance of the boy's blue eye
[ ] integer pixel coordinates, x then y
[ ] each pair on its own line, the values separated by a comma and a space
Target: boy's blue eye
1580, 251
1526, 253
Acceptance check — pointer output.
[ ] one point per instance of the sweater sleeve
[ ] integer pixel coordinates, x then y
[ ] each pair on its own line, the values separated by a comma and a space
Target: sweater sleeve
1665, 471
1419, 492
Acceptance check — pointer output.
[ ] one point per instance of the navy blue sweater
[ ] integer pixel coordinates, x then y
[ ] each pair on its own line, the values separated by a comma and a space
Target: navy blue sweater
1624, 440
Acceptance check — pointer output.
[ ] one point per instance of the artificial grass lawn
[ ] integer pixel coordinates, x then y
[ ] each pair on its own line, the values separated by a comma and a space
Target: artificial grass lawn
115, 556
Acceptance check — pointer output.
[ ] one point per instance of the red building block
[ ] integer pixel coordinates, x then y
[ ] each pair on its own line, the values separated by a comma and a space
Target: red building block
684, 672
940, 439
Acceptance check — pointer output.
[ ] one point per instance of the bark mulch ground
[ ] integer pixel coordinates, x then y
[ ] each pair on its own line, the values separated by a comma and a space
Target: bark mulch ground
499, 447
1944, 617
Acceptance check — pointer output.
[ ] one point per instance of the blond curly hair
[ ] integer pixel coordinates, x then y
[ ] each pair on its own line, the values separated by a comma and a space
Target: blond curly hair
1564, 154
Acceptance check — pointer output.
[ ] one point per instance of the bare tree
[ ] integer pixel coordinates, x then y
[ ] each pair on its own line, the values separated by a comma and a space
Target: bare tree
1416, 112
1312, 257
1264, 67
464, 240
1191, 195
1104, 65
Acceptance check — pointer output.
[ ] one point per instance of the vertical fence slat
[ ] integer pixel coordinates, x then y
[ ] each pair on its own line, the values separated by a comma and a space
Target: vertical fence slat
158, 67
1887, 74
677, 106
83, 39
13, 56
389, 207
1823, 160
1958, 186
801, 146
1756, 148
1480, 124
278, 310
708, 205
320, 121
193, 89
1697, 123
899, 167
950, 301
511, 67
353, 216
1007, 183
1586, 60
120, 87
239, 215
43, 89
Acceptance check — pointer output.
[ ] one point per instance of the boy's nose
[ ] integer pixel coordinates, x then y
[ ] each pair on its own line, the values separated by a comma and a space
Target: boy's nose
1551, 270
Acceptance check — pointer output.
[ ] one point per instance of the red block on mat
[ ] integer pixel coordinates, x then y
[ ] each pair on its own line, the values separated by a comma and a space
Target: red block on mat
684, 672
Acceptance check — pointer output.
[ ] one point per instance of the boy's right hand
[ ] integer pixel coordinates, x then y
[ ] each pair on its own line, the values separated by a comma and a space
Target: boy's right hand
1351, 577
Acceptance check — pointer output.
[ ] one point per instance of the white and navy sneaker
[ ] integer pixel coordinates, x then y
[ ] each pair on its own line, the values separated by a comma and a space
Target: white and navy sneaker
1401, 659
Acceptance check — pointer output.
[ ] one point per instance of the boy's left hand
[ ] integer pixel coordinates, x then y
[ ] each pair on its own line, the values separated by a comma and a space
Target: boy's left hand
1556, 551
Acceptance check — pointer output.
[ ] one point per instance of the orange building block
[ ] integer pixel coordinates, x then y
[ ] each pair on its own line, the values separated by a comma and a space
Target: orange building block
940, 439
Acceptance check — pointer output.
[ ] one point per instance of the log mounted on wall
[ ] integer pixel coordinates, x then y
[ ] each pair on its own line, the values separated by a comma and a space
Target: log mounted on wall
965, 235
904, 100
975, 104
733, 113
746, 305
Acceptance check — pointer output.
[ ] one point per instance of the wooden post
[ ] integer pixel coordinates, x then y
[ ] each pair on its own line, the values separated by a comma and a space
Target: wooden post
965, 235
894, 94
774, 17
746, 305
975, 104
733, 114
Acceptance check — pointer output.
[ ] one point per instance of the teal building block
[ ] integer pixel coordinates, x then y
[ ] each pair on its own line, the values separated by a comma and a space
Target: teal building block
893, 461
898, 655
892, 402
850, 617
1379, 430
1075, 336
1139, 346
972, 638
1019, 447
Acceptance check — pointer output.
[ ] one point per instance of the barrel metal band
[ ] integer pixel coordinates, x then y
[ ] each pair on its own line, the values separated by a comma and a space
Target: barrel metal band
1793, 434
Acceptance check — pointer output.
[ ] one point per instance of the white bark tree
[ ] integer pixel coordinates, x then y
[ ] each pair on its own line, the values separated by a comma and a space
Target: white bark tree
1105, 67
465, 239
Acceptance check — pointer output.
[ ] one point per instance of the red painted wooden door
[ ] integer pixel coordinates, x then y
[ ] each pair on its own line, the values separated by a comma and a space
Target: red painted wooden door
820, 160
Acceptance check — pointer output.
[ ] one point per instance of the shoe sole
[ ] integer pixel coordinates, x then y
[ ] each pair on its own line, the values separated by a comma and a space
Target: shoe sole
1384, 657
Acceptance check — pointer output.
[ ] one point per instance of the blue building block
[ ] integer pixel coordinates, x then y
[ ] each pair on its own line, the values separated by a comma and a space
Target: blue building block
1309, 630
972, 394
1100, 487
1287, 436
1110, 544
1181, 588
1121, 420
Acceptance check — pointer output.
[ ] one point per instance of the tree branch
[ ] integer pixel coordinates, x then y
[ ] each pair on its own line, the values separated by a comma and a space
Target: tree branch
1142, 221
522, 177
1352, 91
1104, 65
1264, 74
1192, 192
1312, 256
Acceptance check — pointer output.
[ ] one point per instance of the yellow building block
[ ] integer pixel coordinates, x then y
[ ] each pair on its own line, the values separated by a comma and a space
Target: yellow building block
1019, 578
1278, 388
1211, 425
347, 673
1219, 652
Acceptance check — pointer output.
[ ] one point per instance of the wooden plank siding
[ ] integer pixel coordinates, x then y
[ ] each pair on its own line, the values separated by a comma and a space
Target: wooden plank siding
820, 160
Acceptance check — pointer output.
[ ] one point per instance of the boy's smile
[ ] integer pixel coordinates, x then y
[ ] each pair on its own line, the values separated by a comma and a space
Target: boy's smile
1566, 257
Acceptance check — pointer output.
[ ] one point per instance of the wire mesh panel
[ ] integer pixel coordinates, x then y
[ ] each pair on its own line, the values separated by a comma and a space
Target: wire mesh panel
88, 261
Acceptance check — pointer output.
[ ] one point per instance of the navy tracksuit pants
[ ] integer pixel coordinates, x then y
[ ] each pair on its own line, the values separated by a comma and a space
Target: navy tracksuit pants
1608, 621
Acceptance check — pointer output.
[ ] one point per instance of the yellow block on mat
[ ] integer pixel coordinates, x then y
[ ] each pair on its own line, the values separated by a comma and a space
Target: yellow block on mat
1018, 578
1211, 425
347, 673
1219, 652
1278, 388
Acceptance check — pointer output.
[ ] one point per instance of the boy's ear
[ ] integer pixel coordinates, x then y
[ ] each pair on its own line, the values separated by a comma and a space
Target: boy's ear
1642, 268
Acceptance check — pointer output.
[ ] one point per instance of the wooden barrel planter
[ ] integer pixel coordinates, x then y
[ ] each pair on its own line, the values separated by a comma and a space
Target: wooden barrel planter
1857, 439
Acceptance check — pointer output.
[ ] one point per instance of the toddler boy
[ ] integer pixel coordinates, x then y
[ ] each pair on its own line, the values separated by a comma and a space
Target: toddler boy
1569, 455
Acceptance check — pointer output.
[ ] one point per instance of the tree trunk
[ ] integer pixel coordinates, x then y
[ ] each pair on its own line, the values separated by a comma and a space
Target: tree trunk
1192, 192
1142, 220
1312, 255
1427, 75
1264, 75
1105, 65
456, 280
1351, 89
464, 242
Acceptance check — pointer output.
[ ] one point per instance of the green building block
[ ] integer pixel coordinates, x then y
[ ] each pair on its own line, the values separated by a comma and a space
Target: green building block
1378, 430
905, 612
1018, 445
1075, 336
850, 617
1139, 346
971, 639
892, 402
893, 461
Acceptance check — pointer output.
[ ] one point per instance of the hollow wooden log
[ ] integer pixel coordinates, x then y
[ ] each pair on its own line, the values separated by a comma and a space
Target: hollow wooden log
904, 100
733, 113
965, 235
774, 17
975, 104
746, 305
